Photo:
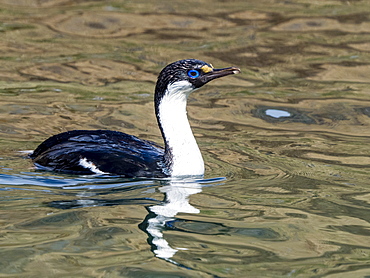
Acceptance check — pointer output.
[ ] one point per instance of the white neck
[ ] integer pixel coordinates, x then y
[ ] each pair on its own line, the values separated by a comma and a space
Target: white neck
179, 139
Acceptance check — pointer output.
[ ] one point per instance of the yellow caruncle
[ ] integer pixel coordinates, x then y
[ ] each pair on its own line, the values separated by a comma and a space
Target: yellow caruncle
206, 69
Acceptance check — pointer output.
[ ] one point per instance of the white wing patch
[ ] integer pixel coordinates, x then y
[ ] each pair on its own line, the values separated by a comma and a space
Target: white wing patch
91, 166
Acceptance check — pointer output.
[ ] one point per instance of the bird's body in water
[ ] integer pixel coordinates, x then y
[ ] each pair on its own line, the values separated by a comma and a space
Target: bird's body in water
116, 153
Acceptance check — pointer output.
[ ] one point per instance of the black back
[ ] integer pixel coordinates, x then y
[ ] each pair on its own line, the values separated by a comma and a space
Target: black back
111, 152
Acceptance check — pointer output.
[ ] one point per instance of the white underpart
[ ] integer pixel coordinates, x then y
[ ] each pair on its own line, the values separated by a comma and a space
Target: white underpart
91, 166
187, 158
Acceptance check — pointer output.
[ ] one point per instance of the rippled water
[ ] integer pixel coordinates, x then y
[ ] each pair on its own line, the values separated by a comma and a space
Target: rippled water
286, 143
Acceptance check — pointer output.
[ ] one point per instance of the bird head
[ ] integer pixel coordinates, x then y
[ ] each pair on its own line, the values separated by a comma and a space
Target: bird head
188, 75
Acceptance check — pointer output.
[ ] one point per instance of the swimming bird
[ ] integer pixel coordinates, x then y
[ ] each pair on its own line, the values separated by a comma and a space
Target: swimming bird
115, 153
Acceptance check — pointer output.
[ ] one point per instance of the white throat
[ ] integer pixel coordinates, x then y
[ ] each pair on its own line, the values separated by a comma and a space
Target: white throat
186, 157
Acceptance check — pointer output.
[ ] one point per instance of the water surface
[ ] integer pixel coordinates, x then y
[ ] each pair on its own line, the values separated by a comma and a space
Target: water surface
286, 143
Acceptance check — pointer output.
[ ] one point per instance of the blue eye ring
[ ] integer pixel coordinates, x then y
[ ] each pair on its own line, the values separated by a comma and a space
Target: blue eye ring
193, 73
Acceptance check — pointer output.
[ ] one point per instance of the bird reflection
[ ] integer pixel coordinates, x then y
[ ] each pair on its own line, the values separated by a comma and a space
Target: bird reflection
161, 214
176, 201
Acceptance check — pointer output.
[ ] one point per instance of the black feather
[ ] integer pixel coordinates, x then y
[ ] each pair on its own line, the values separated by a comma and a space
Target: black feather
118, 153
112, 152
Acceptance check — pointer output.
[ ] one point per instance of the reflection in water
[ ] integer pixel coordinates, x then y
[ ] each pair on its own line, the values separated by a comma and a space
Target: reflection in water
282, 114
276, 113
161, 216
177, 201
291, 133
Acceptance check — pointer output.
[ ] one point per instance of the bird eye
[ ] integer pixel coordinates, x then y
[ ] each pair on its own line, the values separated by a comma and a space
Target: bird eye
193, 73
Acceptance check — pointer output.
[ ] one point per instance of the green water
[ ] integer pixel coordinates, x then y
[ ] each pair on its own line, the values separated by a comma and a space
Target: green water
290, 134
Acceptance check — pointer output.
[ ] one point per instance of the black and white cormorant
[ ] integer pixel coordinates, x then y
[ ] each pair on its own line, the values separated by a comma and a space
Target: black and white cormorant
116, 153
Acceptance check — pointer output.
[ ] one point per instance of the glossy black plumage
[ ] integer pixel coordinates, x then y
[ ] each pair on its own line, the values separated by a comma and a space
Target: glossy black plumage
116, 153
112, 152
